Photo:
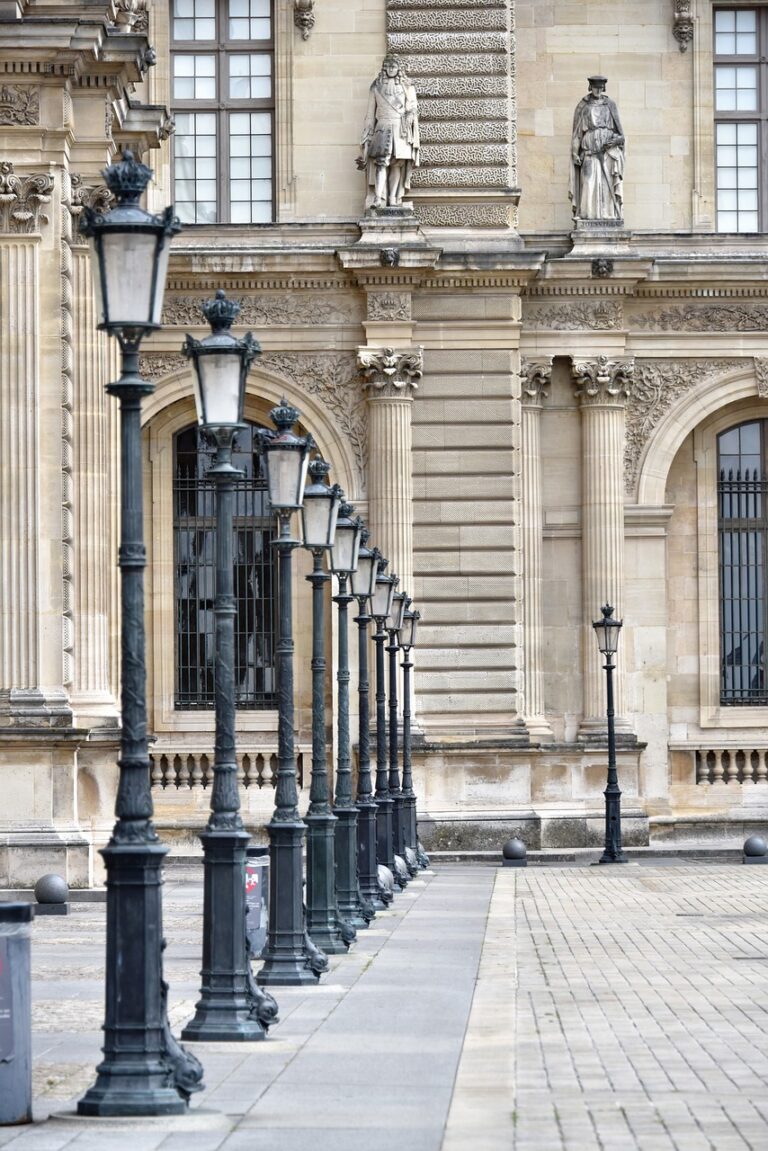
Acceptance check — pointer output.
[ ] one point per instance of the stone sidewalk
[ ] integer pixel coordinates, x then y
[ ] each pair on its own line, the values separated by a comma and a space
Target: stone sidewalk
548, 1008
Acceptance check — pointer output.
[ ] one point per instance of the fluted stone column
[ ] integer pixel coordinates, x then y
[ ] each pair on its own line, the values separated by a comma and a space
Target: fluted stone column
602, 386
536, 378
390, 378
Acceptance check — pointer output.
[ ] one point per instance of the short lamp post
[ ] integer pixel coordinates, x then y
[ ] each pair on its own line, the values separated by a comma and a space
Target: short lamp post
383, 594
363, 580
326, 929
344, 557
144, 1070
289, 961
607, 631
231, 1006
407, 639
400, 601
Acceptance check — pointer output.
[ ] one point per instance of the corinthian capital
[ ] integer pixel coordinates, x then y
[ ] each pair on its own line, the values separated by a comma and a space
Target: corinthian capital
390, 371
536, 377
22, 199
603, 380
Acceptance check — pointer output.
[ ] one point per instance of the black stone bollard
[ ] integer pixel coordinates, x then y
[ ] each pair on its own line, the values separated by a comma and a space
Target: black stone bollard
755, 850
15, 1014
514, 853
51, 893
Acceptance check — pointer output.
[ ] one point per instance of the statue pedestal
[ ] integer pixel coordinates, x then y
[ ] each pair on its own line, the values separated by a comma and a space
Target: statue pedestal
390, 227
600, 237
390, 238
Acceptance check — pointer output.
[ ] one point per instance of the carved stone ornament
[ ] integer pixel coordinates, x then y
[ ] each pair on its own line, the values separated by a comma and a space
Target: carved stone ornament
304, 16
761, 376
683, 27
156, 365
657, 387
96, 196
128, 13
602, 267
281, 309
22, 199
536, 377
599, 316
391, 371
389, 257
602, 380
726, 317
19, 104
389, 306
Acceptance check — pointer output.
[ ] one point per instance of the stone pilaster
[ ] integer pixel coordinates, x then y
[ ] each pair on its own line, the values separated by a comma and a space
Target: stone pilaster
602, 386
390, 378
536, 377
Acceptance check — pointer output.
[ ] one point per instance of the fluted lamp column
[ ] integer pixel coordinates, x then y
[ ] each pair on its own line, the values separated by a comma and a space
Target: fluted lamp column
383, 593
400, 601
144, 1070
326, 928
344, 556
363, 581
290, 958
231, 1005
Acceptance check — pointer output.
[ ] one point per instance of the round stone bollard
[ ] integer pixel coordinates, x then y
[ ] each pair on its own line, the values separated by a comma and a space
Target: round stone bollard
755, 850
514, 853
51, 892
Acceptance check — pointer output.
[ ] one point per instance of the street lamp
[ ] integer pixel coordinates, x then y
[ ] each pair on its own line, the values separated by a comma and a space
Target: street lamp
607, 631
344, 558
381, 605
326, 929
144, 1070
231, 1007
363, 580
407, 640
290, 960
400, 601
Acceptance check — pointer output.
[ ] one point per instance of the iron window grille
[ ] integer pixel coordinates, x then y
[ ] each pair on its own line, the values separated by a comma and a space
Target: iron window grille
742, 531
255, 579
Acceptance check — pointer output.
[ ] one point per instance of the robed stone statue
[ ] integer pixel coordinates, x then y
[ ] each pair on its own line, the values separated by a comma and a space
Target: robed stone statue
390, 140
597, 157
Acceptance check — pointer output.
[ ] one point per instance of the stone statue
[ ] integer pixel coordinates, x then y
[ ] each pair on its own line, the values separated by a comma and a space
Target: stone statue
390, 141
597, 157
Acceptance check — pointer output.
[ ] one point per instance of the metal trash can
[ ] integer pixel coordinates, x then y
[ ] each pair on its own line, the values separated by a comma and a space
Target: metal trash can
15, 1014
257, 898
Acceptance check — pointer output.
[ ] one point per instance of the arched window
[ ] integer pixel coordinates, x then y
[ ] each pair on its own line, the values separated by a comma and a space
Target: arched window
743, 531
195, 572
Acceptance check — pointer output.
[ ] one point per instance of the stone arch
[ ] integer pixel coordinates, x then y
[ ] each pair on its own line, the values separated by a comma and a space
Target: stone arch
691, 409
173, 403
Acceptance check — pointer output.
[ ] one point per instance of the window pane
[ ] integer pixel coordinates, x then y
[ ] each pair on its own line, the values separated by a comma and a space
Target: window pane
194, 167
249, 76
249, 20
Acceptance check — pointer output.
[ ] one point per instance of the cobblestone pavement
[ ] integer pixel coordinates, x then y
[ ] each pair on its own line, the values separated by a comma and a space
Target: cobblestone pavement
545, 1009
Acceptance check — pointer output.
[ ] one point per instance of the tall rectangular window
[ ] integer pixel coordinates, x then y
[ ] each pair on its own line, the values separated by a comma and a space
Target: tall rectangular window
741, 118
222, 93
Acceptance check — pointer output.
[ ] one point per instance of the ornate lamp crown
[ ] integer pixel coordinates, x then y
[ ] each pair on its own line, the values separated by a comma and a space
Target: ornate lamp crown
319, 469
127, 178
220, 312
284, 416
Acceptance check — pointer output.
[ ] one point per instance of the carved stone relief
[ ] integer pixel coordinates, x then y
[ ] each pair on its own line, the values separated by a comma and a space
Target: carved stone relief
536, 377
657, 386
19, 104
304, 16
96, 196
682, 28
391, 371
602, 380
724, 317
22, 199
389, 306
281, 310
598, 316
761, 376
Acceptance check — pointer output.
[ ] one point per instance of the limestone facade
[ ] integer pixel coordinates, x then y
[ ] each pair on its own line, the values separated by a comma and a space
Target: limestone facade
526, 415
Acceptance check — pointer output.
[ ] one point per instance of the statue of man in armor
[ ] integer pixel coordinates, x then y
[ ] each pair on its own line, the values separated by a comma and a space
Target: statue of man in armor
390, 140
597, 156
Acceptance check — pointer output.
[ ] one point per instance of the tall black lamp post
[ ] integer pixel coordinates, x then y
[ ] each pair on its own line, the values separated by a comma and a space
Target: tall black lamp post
607, 631
344, 557
288, 962
144, 1070
363, 580
381, 605
231, 1006
407, 640
325, 926
400, 601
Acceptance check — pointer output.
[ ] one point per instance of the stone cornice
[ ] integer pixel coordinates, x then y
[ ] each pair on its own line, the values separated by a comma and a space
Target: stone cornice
602, 380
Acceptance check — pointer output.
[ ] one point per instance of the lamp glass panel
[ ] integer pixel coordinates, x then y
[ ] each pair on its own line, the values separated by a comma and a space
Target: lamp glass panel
608, 637
129, 265
343, 552
382, 597
363, 575
397, 610
318, 518
284, 472
407, 629
220, 377
163, 257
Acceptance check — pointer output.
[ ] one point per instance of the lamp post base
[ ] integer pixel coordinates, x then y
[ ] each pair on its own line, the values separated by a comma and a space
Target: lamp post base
287, 960
384, 842
352, 907
366, 854
326, 928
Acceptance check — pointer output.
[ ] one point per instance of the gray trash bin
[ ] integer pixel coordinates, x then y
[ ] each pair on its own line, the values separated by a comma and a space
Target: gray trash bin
15, 1014
257, 897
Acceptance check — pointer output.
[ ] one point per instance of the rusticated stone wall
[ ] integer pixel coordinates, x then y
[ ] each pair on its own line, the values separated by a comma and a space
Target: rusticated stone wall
460, 55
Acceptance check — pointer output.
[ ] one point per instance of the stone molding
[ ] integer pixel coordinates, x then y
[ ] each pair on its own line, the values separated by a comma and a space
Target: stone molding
658, 384
682, 29
390, 372
602, 315
22, 199
279, 310
19, 104
536, 377
603, 380
730, 317
761, 376
67, 445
